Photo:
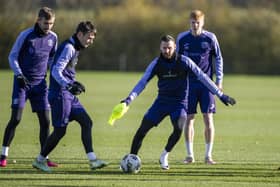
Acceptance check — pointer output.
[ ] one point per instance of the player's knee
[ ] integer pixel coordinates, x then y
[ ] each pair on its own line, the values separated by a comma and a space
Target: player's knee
177, 131
146, 125
59, 132
88, 123
14, 122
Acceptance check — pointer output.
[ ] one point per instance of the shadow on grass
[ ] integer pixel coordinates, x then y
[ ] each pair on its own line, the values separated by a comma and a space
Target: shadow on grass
77, 170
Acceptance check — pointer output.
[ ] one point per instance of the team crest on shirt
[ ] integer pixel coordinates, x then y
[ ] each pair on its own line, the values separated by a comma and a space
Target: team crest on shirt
169, 75
50, 43
205, 45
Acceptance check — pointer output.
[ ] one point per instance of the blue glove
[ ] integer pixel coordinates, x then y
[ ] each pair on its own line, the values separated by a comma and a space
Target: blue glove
227, 100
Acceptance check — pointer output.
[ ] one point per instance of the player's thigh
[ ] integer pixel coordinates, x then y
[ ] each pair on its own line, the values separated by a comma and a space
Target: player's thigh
157, 112
60, 110
193, 99
178, 115
79, 114
207, 102
38, 96
19, 96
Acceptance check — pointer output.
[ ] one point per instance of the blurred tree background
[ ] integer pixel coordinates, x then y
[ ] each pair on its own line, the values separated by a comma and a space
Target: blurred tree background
129, 31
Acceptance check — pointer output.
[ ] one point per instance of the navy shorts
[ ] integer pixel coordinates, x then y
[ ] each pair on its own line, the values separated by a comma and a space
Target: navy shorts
64, 106
160, 109
37, 95
198, 93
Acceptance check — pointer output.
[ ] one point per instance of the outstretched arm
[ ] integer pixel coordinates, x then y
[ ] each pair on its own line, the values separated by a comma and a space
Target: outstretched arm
140, 86
204, 78
120, 109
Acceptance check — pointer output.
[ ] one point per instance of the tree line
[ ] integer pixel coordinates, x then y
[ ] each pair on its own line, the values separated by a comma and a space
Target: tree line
129, 31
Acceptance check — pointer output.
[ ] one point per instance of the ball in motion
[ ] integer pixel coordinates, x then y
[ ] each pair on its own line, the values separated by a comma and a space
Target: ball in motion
131, 163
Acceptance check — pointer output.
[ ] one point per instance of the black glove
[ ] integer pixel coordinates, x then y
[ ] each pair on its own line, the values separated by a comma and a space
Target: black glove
127, 101
76, 88
22, 81
227, 100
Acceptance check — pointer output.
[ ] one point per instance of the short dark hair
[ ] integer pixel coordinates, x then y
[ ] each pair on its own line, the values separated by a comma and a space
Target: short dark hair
86, 27
46, 12
167, 38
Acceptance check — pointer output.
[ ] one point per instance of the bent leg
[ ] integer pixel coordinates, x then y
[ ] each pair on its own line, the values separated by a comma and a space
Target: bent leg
53, 140
145, 126
86, 134
176, 134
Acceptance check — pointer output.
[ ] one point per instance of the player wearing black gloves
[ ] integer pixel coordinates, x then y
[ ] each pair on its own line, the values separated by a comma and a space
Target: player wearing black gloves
172, 73
63, 91
76, 88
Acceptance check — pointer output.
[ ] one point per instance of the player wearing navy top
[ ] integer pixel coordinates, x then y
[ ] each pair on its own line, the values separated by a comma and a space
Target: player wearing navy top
201, 46
33, 50
172, 96
63, 91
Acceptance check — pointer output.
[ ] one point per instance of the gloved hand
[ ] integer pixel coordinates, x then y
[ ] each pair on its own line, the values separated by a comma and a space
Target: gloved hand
76, 88
227, 100
22, 81
127, 101
118, 111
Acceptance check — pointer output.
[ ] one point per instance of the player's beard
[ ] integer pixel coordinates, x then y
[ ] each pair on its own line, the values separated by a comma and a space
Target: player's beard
167, 55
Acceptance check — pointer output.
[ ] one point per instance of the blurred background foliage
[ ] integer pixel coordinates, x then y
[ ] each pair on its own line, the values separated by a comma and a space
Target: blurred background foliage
129, 30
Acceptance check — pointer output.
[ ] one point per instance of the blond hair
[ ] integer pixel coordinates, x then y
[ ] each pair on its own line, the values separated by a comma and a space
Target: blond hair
196, 14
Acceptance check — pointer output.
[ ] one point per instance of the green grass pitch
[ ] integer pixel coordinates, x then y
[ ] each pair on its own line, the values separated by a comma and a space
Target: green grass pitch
246, 147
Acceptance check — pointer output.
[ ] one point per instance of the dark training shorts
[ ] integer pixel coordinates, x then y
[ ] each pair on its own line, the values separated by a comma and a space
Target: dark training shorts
198, 93
160, 109
37, 95
63, 107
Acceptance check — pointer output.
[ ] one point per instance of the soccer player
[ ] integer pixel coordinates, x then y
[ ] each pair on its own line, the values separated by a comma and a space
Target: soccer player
63, 91
201, 46
172, 98
33, 49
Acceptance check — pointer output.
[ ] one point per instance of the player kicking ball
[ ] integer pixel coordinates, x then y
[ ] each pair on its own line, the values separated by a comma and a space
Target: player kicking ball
172, 99
63, 91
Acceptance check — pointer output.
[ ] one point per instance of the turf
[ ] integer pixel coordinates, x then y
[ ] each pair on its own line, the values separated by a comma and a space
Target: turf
246, 145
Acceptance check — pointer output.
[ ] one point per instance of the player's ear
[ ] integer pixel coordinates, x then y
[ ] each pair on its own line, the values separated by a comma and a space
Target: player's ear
79, 34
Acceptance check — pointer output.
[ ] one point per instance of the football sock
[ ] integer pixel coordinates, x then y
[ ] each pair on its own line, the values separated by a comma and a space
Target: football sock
5, 151
189, 148
91, 156
164, 157
208, 150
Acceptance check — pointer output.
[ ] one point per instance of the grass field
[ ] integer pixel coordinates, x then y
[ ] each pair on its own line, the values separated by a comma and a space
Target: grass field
246, 147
